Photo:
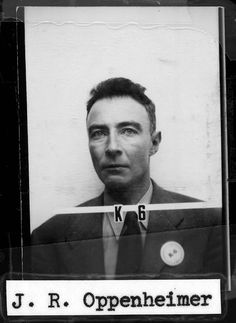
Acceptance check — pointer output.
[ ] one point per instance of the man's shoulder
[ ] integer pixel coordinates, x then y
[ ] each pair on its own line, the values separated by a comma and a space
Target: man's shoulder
51, 230
59, 225
199, 217
161, 195
96, 201
180, 198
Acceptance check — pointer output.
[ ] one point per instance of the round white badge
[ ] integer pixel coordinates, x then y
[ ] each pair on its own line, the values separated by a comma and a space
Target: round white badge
172, 253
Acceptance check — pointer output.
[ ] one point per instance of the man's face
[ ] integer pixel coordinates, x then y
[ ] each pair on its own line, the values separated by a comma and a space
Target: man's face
120, 141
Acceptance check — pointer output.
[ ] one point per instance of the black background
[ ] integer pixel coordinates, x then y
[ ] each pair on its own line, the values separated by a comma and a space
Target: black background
14, 174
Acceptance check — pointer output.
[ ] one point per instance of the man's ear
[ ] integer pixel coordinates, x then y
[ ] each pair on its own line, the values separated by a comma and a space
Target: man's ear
156, 139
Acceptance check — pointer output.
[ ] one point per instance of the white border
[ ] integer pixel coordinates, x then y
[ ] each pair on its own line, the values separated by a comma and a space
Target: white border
127, 208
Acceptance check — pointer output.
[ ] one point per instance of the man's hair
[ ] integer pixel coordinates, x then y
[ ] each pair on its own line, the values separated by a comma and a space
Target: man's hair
123, 87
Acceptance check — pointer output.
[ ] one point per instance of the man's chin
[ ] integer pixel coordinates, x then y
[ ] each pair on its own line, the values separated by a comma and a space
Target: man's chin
116, 184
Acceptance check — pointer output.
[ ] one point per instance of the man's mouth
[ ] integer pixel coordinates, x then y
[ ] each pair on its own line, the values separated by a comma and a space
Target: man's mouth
115, 166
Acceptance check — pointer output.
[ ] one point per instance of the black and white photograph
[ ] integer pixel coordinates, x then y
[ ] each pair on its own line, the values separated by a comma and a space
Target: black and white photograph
124, 121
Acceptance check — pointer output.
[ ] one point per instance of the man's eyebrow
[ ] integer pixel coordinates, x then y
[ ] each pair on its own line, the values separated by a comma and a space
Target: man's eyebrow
134, 124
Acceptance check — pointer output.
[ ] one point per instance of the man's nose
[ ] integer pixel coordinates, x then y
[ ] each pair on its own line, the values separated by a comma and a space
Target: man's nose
113, 145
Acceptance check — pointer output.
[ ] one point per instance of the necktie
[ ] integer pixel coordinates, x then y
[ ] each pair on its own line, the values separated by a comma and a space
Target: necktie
130, 246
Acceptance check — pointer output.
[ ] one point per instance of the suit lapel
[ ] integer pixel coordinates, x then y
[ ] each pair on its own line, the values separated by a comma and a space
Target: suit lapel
163, 220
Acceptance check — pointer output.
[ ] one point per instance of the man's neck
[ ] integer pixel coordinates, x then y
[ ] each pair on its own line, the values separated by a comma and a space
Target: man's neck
126, 196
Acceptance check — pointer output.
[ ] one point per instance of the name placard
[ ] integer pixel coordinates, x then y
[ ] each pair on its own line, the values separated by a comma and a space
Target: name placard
109, 297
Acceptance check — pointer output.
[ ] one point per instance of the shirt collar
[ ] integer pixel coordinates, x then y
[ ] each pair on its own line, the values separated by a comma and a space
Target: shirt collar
117, 226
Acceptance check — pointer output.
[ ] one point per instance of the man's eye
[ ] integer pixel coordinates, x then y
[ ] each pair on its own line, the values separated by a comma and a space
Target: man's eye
128, 131
97, 134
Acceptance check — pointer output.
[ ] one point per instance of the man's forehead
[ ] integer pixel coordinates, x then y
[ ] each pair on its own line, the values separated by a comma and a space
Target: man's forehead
117, 110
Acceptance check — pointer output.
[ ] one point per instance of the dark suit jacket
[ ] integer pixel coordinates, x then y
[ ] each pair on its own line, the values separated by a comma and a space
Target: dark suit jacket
72, 244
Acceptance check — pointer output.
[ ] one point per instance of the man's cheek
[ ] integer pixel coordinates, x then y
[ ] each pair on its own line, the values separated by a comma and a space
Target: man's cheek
95, 152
